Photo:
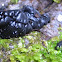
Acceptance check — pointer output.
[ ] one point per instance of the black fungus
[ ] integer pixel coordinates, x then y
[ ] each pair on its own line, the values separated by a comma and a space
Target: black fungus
58, 45
11, 14
6, 14
1, 13
16, 23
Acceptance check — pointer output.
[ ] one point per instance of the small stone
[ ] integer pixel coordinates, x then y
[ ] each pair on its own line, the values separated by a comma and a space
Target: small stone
59, 18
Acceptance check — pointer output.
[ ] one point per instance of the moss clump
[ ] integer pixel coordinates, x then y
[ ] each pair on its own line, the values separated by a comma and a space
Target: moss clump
14, 1
36, 50
57, 1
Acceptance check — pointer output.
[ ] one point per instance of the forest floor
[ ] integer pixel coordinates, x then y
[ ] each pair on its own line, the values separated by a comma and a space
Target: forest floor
49, 31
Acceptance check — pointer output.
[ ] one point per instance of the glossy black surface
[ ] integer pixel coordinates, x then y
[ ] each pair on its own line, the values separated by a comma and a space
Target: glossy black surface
58, 45
16, 23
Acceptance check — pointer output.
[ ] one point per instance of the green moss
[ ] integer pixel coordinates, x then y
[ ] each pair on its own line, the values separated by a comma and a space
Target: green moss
57, 1
36, 51
14, 1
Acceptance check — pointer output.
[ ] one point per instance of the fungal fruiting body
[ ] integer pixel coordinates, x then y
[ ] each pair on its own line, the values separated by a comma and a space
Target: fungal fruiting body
16, 23
59, 45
